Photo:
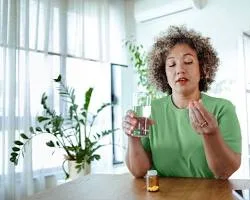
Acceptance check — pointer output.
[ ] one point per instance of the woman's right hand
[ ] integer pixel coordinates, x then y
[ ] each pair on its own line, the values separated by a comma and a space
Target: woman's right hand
130, 122
137, 159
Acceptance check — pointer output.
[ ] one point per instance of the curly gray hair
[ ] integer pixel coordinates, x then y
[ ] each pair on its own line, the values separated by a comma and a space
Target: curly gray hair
207, 56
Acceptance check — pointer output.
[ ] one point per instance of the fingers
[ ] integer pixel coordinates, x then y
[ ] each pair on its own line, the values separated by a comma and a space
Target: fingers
192, 115
202, 112
131, 122
201, 120
193, 119
151, 122
199, 117
131, 113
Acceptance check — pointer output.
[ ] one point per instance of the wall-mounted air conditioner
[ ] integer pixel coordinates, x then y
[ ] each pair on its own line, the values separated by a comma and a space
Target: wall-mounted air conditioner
169, 8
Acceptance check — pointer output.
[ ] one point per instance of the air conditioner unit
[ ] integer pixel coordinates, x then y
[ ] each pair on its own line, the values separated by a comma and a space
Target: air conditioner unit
170, 8
199, 4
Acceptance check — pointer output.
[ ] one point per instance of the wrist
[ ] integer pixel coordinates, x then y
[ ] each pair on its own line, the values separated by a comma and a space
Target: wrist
132, 139
214, 132
212, 135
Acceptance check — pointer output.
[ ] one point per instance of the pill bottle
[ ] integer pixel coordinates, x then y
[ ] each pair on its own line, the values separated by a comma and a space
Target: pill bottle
152, 181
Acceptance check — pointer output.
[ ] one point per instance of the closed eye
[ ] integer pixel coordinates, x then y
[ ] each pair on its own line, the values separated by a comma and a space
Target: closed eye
171, 65
188, 63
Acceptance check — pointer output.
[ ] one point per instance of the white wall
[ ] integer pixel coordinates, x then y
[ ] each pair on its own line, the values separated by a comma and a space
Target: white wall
223, 21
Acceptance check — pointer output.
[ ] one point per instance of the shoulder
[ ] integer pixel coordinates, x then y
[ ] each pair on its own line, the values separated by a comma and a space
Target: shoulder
216, 101
161, 101
218, 106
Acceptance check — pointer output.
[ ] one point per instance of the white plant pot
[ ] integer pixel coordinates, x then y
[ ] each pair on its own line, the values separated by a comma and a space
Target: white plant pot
73, 171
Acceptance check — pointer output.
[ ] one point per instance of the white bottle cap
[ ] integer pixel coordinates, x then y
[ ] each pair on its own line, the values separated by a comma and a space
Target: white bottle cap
152, 173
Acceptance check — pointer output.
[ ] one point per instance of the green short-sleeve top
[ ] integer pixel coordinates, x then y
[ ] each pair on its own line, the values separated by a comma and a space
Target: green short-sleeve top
177, 150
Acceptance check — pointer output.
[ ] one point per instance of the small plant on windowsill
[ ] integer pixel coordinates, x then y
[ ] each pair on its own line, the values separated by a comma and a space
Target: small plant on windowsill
72, 132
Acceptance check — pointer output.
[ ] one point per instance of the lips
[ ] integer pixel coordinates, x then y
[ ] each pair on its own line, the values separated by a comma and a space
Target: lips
182, 79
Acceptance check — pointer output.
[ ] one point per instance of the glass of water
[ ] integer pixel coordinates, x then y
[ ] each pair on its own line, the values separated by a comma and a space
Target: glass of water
142, 109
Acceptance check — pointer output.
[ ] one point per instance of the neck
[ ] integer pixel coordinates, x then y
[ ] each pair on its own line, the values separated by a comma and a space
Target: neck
182, 100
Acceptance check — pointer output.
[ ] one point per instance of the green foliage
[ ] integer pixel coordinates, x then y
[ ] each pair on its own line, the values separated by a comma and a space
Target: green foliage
67, 131
139, 59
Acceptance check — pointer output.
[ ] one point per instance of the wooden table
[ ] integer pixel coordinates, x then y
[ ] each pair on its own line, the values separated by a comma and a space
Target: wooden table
126, 187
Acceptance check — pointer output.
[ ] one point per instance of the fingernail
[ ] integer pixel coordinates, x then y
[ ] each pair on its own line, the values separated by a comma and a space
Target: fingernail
195, 103
190, 104
131, 129
131, 114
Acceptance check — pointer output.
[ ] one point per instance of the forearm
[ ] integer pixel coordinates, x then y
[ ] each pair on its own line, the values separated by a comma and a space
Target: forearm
137, 160
222, 161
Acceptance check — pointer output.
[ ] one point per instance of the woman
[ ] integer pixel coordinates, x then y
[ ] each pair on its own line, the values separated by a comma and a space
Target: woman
192, 134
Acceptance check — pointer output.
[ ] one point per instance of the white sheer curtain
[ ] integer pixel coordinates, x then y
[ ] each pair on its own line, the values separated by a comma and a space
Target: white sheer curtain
37, 37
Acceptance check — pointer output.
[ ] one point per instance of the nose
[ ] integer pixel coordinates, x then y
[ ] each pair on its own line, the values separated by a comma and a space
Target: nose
180, 68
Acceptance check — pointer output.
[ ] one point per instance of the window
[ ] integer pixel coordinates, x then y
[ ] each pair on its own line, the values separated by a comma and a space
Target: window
117, 93
246, 40
38, 41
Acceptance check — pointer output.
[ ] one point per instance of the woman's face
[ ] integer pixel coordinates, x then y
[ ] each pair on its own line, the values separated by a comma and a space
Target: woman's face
182, 69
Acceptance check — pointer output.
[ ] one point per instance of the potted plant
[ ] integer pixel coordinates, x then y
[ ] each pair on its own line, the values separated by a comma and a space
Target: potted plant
71, 132
138, 57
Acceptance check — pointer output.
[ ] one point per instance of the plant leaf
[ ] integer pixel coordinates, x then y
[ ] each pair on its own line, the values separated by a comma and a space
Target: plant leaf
17, 142
24, 136
50, 143
47, 129
58, 79
14, 160
94, 157
32, 130
42, 118
15, 149
87, 98
39, 129
14, 154
103, 106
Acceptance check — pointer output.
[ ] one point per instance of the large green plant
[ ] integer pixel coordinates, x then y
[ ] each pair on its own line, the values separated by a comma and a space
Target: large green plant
67, 130
138, 57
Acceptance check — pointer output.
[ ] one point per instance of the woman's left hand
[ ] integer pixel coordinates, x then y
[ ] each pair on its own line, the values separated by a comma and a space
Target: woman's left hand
201, 120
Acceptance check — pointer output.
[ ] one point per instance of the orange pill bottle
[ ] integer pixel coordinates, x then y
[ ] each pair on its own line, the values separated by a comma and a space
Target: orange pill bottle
152, 181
